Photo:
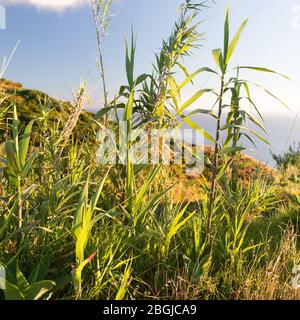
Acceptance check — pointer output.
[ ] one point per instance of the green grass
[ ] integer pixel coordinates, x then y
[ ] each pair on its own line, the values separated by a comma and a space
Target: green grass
73, 229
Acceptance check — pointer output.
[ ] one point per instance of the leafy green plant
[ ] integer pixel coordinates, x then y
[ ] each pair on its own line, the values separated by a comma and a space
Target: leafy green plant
137, 240
289, 157
82, 226
18, 165
32, 288
237, 116
177, 223
222, 58
124, 284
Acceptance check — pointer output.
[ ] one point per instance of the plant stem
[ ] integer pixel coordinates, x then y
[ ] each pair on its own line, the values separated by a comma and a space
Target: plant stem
79, 293
234, 167
101, 59
216, 158
20, 216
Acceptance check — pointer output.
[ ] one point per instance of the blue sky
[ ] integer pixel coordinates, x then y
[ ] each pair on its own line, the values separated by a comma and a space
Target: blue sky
58, 46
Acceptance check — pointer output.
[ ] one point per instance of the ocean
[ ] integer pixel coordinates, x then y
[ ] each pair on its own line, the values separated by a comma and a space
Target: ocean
282, 132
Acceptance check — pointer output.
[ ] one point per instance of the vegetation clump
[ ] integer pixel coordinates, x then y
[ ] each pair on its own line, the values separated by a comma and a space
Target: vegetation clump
71, 228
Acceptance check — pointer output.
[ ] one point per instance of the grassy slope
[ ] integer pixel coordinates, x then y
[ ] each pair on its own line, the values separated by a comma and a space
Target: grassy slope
33, 104
244, 278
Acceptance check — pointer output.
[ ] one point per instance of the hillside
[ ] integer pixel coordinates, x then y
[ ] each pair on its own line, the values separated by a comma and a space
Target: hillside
32, 104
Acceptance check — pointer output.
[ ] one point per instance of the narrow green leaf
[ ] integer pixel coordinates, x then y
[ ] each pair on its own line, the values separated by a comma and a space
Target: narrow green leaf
264, 70
97, 195
124, 284
39, 273
217, 55
235, 41
193, 99
226, 35
196, 127
232, 150
189, 79
129, 107
12, 292
37, 290
24, 143
29, 163
22, 283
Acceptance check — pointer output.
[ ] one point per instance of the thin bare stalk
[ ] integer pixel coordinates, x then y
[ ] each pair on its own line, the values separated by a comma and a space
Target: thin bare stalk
101, 25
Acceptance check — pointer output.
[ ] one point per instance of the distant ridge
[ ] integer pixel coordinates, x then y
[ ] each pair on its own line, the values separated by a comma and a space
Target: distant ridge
32, 104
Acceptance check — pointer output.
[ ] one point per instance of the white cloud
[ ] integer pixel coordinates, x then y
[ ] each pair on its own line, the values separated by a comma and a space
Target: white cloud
55, 5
